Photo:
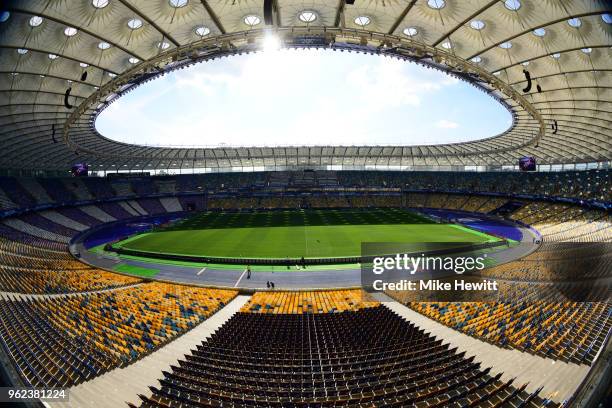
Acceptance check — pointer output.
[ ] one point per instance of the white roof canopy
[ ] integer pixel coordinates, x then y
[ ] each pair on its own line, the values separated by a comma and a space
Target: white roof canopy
45, 48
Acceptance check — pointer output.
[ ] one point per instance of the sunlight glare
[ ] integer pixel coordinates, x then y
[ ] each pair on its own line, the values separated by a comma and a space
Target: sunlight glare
271, 42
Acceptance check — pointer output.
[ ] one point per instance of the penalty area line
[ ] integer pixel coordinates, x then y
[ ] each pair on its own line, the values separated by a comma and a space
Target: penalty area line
240, 278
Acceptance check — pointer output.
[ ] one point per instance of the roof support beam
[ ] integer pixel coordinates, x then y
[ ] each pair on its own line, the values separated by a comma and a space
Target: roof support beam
18, 137
339, 12
28, 120
592, 13
571, 116
49, 76
63, 56
478, 12
577, 109
213, 16
33, 113
569, 100
41, 91
546, 55
148, 20
31, 104
563, 73
80, 28
278, 13
402, 16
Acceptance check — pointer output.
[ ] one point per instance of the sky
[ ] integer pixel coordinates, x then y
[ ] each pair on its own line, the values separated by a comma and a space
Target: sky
303, 98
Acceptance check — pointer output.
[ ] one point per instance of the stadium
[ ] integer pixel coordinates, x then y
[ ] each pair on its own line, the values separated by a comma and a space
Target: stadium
200, 201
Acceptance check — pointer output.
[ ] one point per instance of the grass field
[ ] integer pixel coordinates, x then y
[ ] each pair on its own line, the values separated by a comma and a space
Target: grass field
137, 270
296, 233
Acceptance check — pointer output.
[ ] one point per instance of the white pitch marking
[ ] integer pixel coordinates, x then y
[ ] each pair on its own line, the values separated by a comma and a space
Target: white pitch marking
240, 278
200, 272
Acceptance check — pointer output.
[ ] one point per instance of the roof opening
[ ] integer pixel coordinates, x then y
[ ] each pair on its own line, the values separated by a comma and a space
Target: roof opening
303, 98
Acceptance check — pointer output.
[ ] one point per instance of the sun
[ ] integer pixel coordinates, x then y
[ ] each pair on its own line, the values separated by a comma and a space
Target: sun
271, 43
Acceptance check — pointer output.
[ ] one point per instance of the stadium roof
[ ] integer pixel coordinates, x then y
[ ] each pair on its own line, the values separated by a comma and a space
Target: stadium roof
47, 46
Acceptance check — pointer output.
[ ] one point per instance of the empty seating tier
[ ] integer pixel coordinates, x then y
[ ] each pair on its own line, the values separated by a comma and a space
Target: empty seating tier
308, 302
22, 237
33, 281
62, 341
369, 357
462, 202
557, 262
568, 331
16, 246
31, 270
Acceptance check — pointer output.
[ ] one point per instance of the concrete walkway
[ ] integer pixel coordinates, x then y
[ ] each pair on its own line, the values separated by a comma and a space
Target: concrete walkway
121, 385
558, 378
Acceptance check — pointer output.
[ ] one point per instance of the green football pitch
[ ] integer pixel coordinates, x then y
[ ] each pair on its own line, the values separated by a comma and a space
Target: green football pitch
296, 233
